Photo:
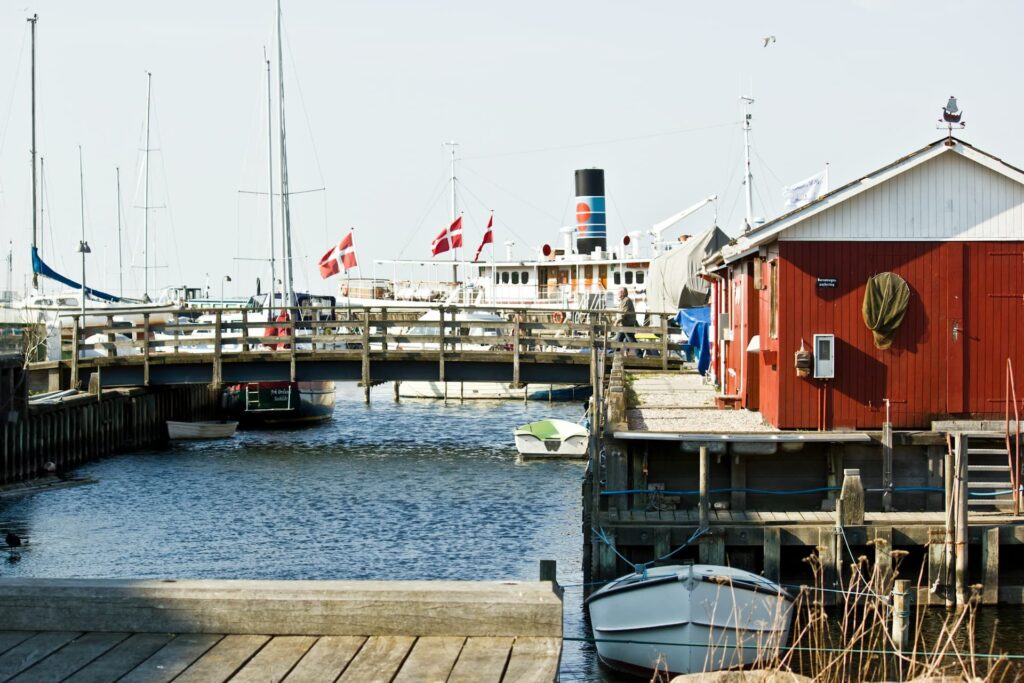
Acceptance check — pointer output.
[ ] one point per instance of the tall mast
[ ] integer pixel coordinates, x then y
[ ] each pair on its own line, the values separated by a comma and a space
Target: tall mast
747, 177
145, 201
285, 211
42, 205
82, 245
451, 145
270, 188
120, 251
32, 20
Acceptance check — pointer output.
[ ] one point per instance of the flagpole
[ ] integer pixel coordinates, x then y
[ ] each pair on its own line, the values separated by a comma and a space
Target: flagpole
826, 179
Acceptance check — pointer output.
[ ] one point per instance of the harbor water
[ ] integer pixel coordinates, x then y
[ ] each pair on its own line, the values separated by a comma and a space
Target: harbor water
410, 490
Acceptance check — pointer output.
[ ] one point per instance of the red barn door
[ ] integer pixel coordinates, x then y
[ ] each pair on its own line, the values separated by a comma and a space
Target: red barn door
953, 327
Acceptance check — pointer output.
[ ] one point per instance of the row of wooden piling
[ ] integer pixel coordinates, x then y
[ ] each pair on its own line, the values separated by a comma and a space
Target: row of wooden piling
85, 427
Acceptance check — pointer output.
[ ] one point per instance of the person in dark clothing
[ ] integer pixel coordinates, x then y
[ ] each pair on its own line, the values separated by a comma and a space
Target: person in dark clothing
625, 318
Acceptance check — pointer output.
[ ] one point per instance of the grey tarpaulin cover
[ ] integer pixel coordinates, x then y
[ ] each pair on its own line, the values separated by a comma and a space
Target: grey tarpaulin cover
673, 280
885, 303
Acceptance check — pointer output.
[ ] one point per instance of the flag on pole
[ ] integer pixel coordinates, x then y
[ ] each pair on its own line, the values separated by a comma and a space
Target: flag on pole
488, 237
805, 191
449, 238
340, 256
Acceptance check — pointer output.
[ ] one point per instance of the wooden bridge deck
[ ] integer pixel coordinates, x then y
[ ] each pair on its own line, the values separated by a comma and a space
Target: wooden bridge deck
148, 630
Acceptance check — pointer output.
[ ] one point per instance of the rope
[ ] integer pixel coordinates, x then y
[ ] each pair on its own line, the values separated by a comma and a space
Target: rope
642, 567
729, 490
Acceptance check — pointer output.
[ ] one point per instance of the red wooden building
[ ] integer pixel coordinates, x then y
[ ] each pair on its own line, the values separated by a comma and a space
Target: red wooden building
949, 220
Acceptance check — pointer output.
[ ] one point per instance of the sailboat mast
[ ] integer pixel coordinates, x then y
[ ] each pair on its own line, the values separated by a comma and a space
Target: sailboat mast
120, 251
32, 20
451, 144
285, 210
82, 244
270, 188
145, 201
747, 176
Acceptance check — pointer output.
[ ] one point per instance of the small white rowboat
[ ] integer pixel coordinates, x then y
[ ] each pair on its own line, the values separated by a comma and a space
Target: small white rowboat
687, 619
552, 439
209, 429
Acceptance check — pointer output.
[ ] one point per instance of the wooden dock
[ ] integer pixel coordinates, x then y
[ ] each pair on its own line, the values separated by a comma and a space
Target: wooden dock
934, 505
353, 631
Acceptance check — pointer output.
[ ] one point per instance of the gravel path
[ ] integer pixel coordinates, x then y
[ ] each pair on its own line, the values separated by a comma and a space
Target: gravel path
682, 402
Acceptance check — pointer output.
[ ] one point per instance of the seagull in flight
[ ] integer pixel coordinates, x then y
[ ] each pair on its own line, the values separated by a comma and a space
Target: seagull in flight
768, 40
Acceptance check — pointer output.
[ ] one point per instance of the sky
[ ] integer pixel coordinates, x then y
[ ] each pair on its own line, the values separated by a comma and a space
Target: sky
531, 91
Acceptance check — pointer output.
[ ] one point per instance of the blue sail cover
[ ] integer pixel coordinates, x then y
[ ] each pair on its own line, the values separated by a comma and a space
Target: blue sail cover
46, 271
695, 324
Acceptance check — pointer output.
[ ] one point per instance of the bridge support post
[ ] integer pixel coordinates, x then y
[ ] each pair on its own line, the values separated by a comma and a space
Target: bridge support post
440, 349
215, 375
74, 352
366, 355
145, 349
516, 321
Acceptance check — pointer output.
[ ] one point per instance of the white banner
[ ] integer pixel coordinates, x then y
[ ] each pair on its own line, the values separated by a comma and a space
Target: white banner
805, 191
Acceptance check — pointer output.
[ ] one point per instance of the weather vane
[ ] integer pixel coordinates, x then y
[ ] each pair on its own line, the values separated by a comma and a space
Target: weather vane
951, 115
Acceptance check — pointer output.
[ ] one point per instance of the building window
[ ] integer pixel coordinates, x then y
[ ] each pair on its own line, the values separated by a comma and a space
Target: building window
629, 277
497, 278
504, 278
639, 277
515, 277
773, 300
617, 278
526, 278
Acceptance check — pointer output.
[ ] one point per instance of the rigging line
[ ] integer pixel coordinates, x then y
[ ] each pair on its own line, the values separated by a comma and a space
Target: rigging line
439, 187
513, 194
167, 195
14, 89
625, 228
278, 194
501, 221
302, 101
767, 167
611, 141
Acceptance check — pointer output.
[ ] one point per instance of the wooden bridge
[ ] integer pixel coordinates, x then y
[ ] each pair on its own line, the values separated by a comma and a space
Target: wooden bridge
368, 345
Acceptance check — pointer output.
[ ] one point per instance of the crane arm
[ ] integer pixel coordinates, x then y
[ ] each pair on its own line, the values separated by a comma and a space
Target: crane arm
658, 228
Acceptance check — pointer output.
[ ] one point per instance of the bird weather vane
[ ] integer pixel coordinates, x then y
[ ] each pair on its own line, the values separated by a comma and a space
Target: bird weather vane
951, 118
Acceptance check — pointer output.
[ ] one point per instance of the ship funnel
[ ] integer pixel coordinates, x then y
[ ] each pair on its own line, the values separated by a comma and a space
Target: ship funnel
591, 225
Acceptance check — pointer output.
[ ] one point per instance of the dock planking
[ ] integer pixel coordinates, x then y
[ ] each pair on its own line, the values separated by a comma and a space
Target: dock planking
270, 631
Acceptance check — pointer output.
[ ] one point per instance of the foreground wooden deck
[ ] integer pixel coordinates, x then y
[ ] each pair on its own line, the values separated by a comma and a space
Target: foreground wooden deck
354, 631
102, 657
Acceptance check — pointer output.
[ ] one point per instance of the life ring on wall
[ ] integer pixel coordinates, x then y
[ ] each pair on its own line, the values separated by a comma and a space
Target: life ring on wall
558, 317
344, 289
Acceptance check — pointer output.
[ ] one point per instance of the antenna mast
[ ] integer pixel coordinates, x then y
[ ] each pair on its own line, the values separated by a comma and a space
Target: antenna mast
285, 210
145, 201
748, 178
270, 188
32, 20
451, 145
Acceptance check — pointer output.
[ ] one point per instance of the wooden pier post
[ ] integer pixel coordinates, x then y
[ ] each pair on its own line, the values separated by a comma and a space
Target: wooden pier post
704, 509
245, 330
549, 572
887, 466
216, 373
901, 615
961, 523
664, 343
883, 554
440, 350
772, 553
397, 385
852, 499
990, 566
145, 349
515, 350
827, 558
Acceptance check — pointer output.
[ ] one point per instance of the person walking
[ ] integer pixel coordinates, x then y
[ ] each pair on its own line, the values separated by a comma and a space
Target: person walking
625, 318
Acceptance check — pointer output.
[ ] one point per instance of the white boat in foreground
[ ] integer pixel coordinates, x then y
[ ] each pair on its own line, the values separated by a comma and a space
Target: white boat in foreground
689, 619
552, 439
207, 429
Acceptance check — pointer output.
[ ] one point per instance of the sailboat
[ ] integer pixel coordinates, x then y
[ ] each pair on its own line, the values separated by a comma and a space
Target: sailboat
281, 403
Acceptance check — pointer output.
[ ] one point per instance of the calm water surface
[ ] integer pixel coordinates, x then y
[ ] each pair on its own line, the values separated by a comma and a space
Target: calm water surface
414, 490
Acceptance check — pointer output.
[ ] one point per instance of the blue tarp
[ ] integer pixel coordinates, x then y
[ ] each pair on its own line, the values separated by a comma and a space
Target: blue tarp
46, 271
695, 324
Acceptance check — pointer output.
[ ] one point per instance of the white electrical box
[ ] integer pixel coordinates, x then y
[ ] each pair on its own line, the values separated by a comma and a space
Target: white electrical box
824, 356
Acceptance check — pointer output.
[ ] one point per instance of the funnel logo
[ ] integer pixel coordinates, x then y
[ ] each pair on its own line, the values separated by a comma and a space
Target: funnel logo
590, 217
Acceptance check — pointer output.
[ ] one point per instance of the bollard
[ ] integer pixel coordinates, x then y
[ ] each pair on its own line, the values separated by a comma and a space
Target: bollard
549, 572
852, 498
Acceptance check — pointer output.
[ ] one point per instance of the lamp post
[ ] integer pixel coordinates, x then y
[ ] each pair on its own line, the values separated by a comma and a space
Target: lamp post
226, 278
83, 249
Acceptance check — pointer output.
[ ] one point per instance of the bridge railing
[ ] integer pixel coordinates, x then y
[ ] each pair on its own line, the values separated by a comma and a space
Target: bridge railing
373, 331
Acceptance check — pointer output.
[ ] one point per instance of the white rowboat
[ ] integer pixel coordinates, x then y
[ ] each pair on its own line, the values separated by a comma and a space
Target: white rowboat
689, 619
552, 439
209, 429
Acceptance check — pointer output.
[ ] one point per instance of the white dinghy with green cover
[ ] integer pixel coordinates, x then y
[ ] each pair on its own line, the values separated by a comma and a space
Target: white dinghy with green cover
552, 439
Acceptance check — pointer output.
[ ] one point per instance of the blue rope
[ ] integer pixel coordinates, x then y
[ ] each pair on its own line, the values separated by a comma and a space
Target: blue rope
644, 566
729, 490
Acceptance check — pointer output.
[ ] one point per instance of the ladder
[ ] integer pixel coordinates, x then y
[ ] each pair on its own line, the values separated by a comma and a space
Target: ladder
989, 478
1013, 438
252, 396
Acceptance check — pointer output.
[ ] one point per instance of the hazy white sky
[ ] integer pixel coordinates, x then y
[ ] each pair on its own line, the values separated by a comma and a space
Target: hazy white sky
531, 91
